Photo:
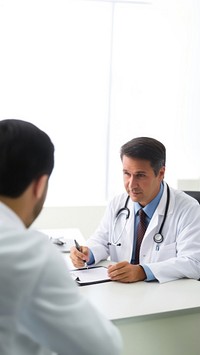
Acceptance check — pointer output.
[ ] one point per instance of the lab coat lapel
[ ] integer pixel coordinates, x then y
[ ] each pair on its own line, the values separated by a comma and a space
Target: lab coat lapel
157, 217
126, 251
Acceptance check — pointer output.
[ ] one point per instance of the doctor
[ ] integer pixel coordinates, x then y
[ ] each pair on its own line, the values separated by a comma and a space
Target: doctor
170, 248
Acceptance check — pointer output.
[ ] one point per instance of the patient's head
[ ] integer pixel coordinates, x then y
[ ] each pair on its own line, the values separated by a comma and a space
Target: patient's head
26, 152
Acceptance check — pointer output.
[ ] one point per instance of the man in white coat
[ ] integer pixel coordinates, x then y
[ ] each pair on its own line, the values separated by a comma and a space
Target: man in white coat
41, 309
170, 248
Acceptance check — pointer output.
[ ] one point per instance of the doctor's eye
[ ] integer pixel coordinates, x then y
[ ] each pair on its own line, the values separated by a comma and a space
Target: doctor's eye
126, 173
140, 175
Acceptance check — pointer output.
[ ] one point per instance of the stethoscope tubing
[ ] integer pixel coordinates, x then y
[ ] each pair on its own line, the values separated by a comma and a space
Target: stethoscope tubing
158, 237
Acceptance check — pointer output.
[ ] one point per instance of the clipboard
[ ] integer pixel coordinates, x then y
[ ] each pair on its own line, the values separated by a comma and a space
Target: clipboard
90, 276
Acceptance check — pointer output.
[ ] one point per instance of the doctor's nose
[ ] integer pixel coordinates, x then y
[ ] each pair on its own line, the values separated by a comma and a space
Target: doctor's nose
132, 182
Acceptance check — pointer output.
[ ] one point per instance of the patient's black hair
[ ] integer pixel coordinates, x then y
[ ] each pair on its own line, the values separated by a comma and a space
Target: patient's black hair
26, 153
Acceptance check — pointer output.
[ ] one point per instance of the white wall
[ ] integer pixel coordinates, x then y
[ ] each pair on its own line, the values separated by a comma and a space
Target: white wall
85, 218
96, 73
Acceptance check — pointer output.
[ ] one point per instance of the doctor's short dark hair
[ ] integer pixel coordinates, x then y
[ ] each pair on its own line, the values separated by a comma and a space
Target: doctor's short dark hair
26, 153
146, 148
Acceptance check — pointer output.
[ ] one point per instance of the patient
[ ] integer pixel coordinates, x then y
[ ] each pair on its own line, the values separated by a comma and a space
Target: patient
42, 310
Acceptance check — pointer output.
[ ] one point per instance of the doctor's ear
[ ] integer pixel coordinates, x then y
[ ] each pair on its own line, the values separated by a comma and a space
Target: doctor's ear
40, 186
162, 173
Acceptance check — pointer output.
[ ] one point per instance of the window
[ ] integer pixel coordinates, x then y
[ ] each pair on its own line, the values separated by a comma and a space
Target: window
156, 85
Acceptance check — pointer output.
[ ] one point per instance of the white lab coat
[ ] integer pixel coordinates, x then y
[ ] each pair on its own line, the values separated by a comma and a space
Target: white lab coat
179, 253
41, 308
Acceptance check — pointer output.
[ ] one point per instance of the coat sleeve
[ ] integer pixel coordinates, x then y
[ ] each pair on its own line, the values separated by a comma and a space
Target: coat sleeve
185, 263
61, 319
98, 242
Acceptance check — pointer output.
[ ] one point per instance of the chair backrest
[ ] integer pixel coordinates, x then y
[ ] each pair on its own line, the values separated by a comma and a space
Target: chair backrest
195, 194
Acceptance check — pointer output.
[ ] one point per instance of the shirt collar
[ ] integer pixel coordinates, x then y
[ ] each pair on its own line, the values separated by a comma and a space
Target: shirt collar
10, 217
150, 208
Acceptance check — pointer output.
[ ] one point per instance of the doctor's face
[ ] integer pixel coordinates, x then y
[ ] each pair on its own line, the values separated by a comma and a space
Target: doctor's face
140, 180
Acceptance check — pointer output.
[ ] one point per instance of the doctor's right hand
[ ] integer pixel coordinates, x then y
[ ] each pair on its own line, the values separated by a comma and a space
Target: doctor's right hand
79, 258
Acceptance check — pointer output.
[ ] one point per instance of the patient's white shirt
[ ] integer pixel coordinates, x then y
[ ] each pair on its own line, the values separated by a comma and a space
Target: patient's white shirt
41, 308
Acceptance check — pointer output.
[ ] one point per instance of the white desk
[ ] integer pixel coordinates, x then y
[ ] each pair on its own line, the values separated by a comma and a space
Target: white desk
154, 319
68, 233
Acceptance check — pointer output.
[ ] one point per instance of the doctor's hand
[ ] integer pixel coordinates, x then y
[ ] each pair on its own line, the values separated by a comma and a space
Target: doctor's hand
126, 272
79, 258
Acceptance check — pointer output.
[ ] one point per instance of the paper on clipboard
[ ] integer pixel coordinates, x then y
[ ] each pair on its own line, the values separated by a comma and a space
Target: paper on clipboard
91, 275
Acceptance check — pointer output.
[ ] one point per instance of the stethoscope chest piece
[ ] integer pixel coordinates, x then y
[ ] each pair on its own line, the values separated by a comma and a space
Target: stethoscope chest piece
158, 238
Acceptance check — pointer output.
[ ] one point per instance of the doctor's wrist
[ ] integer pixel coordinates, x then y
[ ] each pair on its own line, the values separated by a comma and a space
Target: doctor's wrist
141, 273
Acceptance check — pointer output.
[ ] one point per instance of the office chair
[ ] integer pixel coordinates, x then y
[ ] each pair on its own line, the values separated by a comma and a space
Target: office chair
195, 194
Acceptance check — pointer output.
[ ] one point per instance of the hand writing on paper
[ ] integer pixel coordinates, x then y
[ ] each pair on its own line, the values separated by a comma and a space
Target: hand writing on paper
79, 257
126, 272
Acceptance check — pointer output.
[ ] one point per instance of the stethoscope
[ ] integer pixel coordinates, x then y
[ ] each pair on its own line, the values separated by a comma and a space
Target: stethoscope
125, 213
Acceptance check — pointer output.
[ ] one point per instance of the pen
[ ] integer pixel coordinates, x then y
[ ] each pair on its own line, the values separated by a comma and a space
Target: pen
78, 247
